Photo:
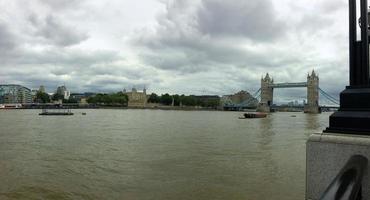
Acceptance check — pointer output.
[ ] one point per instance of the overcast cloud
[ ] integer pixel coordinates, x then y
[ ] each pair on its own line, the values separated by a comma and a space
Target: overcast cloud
176, 46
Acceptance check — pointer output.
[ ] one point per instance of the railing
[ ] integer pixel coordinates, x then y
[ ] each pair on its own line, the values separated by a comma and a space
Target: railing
347, 184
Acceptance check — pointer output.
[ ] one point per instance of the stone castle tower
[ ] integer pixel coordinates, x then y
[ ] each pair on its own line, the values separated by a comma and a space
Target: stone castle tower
136, 98
266, 94
312, 105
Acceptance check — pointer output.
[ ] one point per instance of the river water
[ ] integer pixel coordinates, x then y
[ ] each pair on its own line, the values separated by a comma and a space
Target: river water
154, 154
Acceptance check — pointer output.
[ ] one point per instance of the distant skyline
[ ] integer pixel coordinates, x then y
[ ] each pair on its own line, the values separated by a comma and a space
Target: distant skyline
175, 46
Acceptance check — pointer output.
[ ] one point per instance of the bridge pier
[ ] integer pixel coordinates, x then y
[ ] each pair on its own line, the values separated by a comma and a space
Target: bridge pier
312, 105
267, 93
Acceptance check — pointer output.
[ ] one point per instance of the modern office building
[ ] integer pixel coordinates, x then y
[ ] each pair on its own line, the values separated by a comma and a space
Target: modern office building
62, 90
42, 89
12, 94
34, 94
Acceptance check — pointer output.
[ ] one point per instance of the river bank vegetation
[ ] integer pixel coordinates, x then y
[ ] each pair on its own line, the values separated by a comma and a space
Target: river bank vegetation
121, 99
183, 100
115, 99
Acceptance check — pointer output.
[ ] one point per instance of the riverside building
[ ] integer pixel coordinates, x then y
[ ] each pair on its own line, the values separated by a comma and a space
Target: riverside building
239, 97
15, 94
62, 90
135, 98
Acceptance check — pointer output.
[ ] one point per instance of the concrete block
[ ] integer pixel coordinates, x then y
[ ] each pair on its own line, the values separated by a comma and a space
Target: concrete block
327, 154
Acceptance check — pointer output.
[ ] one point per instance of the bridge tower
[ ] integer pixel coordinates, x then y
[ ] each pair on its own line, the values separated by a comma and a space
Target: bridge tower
312, 105
267, 93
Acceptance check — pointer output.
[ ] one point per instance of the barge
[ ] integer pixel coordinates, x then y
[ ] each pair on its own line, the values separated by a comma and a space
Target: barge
58, 112
255, 115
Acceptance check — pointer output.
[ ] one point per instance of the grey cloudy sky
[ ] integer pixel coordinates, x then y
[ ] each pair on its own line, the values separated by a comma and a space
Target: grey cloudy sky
176, 46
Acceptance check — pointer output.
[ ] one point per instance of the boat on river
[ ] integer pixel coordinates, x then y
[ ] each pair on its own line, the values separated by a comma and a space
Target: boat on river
10, 106
255, 115
58, 112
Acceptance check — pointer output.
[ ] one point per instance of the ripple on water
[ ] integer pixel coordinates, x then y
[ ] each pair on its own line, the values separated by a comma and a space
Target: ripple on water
141, 154
37, 192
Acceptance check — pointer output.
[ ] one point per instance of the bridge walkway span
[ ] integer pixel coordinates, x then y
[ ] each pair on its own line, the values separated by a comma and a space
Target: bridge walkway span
288, 85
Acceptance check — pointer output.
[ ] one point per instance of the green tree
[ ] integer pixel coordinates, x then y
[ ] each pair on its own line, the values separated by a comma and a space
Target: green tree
42, 97
181, 99
70, 100
176, 99
189, 101
57, 97
209, 103
154, 98
119, 98
166, 99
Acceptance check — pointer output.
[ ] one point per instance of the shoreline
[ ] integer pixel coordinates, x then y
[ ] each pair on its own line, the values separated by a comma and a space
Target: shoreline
176, 108
76, 106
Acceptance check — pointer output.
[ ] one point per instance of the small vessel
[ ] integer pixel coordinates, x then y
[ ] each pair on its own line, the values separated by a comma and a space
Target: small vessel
255, 115
83, 113
10, 106
57, 112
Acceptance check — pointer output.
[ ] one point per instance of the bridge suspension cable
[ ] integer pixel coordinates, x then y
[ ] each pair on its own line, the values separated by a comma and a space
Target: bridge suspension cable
329, 97
256, 93
247, 102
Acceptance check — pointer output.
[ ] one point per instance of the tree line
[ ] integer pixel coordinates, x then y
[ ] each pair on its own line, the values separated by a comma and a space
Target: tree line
184, 100
121, 99
43, 97
115, 99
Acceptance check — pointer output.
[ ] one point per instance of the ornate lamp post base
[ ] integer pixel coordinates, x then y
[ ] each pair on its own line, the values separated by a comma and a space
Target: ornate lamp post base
353, 116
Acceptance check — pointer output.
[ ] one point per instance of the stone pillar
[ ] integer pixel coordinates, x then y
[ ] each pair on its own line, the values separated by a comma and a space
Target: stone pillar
312, 105
145, 97
326, 154
267, 93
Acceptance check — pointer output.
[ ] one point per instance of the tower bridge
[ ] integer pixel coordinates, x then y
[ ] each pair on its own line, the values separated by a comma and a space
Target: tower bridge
266, 95
267, 92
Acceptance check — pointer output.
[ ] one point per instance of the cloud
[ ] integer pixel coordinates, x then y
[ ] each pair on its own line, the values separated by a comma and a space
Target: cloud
62, 4
67, 57
221, 33
53, 31
212, 38
251, 19
175, 46
7, 40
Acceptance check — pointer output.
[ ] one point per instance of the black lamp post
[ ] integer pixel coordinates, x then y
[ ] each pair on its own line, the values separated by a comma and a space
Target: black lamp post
353, 116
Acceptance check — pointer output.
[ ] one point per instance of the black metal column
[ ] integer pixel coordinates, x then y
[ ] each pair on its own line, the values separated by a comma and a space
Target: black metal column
353, 116
364, 66
352, 42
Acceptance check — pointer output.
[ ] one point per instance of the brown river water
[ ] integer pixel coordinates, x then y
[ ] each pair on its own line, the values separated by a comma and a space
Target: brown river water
154, 154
